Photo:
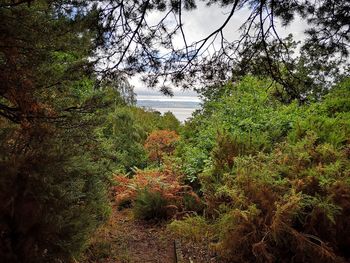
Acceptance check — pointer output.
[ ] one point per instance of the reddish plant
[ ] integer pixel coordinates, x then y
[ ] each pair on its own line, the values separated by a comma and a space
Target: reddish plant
166, 182
160, 143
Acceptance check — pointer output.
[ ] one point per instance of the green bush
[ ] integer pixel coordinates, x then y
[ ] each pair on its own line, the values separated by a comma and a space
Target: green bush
274, 177
150, 205
192, 228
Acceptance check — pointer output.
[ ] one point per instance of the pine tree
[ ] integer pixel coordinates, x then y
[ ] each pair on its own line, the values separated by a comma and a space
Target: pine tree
53, 186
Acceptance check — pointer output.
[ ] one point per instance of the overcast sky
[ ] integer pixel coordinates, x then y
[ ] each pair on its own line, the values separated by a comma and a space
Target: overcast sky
204, 20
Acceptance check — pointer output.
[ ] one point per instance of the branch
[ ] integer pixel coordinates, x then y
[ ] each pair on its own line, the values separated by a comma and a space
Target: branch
133, 35
212, 34
13, 4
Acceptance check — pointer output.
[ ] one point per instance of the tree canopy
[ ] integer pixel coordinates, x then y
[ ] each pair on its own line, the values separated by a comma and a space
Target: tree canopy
134, 43
128, 40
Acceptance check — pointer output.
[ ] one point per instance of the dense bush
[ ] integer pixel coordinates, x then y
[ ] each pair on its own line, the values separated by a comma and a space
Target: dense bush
160, 144
156, 194
287, 202
126, 130
53, 195
247, 112
274, 177
53, 184
150, 205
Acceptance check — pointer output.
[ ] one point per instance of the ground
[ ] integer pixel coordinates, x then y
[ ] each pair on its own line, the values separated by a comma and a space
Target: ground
125, 240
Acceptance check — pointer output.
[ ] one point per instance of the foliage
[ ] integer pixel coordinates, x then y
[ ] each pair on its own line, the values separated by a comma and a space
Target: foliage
285, 202
123, 140
193, 228
273, 172
125, 131
150, 205
161, 189
247, 113
151, 120
53, 185
159, 144
170, 122
274, 177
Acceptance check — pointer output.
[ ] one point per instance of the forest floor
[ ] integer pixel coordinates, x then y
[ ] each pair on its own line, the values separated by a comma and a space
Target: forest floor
125, 240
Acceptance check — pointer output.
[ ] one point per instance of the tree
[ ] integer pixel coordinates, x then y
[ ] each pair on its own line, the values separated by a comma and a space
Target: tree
129, 43
170, 122
159, 144
135, 45
53, 186
123, 139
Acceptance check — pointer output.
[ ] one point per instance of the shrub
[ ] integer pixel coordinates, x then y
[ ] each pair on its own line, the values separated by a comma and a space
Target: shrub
275, 178
150, 187
61, 198
150, 205
159, 144
192, 228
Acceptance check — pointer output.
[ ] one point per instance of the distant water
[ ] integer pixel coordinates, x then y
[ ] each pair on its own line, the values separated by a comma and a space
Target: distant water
181, 106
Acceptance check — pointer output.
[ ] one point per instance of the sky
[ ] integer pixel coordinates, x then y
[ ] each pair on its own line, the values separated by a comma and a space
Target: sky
201, 22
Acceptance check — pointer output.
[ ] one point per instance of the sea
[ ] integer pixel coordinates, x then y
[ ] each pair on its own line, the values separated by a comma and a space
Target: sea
181, 106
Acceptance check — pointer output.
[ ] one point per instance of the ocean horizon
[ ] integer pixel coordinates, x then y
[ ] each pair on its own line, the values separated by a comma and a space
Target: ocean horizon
181, 106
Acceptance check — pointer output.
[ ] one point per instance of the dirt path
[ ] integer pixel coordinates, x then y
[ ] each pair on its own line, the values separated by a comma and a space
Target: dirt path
125, 240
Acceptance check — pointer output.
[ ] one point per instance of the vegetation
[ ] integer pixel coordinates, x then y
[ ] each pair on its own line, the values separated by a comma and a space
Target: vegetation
160, 144
261, 173
156, 194
274, 177
63, 133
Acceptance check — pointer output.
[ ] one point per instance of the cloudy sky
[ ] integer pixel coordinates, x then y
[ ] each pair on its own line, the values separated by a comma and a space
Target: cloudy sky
204, 20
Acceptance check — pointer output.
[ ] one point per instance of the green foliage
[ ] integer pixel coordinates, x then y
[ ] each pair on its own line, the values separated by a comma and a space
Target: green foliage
169, 122
150, 205
274, 177
152, 120
193, 228
123, 140
192, 161
53, 185
250, 115
125, 131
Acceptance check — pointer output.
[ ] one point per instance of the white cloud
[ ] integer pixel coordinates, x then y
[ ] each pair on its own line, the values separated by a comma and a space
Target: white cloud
204, 20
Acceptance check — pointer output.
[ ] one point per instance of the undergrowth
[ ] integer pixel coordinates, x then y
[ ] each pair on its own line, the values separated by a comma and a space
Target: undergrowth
156, 194
280, 198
